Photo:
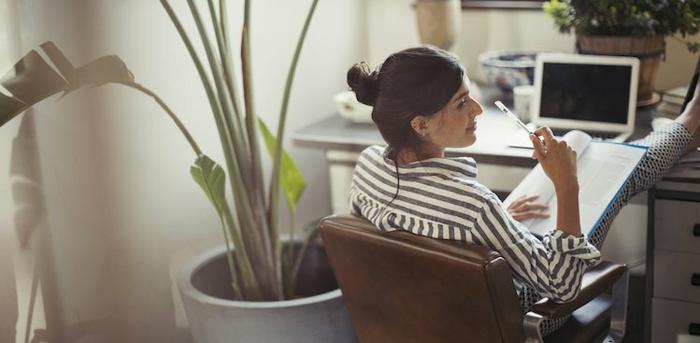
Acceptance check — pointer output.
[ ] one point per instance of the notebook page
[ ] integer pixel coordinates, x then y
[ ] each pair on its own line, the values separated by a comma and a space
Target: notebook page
602, 170
537, 182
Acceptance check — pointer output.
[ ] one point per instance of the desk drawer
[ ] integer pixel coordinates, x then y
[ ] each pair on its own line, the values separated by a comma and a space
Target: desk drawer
677, 276
671, 320
677, 225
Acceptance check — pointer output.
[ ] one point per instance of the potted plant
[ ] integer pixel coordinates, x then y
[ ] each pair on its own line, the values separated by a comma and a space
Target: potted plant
248, 289
628, 27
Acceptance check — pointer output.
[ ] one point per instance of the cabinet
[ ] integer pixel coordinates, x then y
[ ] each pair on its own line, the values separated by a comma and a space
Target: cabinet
673, 257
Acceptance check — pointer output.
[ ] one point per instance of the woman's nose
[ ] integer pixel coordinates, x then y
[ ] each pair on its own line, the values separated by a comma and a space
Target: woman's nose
479, 109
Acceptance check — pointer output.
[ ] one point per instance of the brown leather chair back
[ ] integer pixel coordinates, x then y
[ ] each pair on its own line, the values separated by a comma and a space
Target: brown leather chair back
401, 287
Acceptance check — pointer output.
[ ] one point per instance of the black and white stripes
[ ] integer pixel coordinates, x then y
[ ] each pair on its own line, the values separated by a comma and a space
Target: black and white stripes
440, 198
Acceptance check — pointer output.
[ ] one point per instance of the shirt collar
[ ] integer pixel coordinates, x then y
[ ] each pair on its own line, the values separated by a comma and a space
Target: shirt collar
464, 167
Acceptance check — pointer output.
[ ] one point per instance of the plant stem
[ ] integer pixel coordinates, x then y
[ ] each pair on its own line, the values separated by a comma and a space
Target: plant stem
213, 101
300, 257
229, 258
198, 152
170, 113
273, 209
285, 266
233, 119
223, 21
252, 289
262, 252
220, 29
257, 182
226, 144
242, 259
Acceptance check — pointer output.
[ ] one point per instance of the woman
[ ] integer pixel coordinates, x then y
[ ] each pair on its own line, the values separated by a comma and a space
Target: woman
422, 105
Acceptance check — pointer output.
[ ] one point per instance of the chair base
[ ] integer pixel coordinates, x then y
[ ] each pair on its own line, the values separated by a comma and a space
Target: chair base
589, 323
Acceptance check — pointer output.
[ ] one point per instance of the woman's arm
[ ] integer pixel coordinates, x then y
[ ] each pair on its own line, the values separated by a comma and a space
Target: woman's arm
558, 160
553, 266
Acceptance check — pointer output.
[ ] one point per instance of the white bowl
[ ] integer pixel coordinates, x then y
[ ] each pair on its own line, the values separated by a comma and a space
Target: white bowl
347, 105
507, 69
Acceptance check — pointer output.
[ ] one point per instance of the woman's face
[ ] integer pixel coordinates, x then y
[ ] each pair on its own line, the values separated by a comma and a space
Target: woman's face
455, 125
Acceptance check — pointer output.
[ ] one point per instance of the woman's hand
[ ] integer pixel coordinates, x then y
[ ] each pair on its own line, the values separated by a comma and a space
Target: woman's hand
557, 158
525, 207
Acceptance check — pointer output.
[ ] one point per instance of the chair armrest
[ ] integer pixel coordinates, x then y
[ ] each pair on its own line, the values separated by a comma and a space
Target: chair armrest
595, 281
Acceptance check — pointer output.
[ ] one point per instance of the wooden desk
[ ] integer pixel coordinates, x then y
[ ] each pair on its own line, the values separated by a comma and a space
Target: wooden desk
343, 140
494, 129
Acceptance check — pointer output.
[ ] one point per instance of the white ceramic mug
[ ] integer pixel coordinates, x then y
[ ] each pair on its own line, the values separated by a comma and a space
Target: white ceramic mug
521, 101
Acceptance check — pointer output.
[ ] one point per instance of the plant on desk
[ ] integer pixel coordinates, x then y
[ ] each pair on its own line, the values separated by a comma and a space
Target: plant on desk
628, 27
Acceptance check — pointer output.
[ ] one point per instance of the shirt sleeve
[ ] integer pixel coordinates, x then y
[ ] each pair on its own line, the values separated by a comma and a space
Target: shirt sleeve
553, 266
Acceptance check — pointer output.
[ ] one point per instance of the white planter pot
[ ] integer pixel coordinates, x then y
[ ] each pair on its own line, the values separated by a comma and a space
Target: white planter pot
439, 22
319, 318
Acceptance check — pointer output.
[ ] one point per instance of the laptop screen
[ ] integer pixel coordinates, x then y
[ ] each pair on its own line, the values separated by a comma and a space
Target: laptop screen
591, 92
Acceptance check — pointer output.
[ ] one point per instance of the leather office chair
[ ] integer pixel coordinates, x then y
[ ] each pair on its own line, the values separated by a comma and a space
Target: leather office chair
401, 287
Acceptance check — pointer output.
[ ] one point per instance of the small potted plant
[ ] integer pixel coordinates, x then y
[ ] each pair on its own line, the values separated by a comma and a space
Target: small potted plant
628, 27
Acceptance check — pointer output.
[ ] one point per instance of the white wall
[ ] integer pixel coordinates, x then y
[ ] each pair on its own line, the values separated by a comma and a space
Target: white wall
392, 27
121, 208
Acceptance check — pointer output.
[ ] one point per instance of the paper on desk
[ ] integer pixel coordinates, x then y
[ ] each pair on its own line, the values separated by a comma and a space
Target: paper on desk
521, 139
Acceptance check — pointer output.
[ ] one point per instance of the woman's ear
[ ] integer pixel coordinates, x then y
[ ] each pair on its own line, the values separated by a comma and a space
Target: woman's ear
419, 124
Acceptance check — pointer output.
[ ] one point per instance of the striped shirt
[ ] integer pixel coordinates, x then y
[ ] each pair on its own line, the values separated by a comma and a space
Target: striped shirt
440, 198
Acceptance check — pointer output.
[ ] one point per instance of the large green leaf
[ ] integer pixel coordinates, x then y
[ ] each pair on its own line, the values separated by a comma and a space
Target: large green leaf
32, 79
9, 108
291, 179
212, 179
59, 60
106, 69
103, 70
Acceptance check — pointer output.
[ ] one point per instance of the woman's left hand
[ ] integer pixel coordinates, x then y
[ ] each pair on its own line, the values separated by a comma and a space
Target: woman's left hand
525, 207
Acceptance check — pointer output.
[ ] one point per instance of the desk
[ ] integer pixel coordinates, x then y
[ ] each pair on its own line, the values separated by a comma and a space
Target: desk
501, 168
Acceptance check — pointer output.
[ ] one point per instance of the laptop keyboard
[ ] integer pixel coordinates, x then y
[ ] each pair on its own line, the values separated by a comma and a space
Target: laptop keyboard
601, 135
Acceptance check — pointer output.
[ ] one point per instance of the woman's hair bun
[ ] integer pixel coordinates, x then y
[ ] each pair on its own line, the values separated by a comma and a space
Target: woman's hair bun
363, 82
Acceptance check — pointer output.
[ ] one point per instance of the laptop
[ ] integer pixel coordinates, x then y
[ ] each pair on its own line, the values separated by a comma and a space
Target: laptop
591, 93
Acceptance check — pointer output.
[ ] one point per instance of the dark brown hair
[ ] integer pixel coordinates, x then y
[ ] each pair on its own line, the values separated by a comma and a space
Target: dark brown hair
411, 82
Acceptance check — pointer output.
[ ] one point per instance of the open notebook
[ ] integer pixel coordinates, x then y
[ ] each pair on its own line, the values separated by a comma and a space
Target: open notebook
603, 169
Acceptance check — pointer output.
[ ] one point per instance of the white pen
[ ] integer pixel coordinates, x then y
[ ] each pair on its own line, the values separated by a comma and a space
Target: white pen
505, 110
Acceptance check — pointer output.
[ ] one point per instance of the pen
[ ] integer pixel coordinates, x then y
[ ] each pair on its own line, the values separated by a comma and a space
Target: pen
505, 110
